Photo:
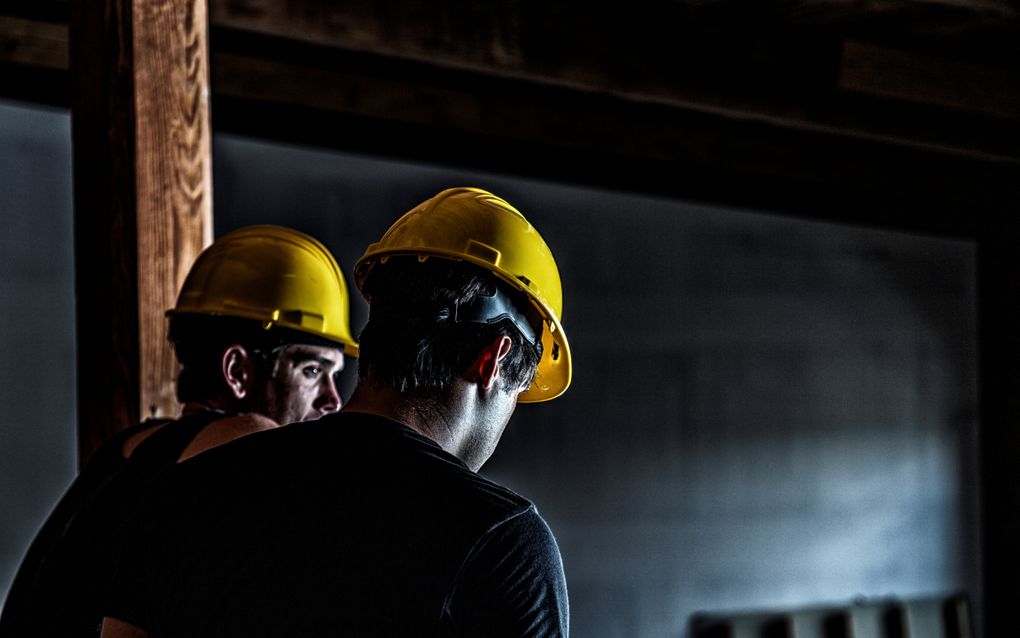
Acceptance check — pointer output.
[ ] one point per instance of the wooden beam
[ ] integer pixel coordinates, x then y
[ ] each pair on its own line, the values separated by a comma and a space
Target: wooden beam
34, 60
876, 70
143, 197
803, 81
362, 102
782, 62
33, 42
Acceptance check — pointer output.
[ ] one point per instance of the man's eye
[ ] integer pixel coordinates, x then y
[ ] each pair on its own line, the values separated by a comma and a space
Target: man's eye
312, 372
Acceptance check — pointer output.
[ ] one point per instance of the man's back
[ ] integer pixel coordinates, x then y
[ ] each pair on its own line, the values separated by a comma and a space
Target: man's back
60, 584
352, 524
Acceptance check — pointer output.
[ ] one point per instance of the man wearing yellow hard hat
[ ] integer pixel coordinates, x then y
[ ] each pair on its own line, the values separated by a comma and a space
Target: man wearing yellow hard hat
261, 330
373, 521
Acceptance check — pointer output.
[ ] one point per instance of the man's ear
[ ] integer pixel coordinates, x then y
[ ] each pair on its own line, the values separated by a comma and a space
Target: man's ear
237, 369
488, 365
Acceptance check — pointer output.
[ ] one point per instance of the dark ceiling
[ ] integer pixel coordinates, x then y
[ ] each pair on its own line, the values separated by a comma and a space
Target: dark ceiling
902, 113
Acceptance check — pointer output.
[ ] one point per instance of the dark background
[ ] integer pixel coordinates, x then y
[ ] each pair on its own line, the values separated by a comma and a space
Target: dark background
787, 231
766, 411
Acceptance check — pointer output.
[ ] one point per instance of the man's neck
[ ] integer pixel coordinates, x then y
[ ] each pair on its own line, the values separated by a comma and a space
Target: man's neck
439, 421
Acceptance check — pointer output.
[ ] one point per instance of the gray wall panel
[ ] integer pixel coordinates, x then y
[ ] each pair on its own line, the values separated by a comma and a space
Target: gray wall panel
766, 412
37, 376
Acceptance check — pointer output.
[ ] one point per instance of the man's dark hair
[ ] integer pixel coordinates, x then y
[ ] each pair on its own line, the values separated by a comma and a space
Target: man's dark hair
413, 342
199, 342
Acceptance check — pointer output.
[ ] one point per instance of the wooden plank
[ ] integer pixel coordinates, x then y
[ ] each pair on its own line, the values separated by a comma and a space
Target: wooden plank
790, 83
681, 54
140, 125
475, 35
763, 108
33, 43
608, 48
876, 70
34, 60
781, 60
410, 110
173, 175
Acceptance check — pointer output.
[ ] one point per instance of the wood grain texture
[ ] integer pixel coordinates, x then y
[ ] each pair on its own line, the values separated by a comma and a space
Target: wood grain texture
140, 123
33, 42
173, 173
362, 103
718, 55
817, 70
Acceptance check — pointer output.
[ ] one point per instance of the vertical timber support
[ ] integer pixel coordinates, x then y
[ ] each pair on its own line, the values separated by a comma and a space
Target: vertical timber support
143, 198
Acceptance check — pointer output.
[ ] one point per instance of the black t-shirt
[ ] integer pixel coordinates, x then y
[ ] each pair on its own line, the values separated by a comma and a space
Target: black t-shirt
352, 525
61, 583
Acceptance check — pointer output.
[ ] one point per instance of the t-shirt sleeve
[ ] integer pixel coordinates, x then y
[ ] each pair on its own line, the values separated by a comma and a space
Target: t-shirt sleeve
511, 584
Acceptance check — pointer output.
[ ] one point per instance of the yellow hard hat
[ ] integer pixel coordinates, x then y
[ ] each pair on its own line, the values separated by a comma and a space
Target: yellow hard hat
474, 225
275, 275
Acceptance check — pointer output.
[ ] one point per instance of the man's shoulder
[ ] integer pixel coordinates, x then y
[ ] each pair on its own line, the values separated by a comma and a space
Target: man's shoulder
443, 474
413, 459
490, 499
374, 456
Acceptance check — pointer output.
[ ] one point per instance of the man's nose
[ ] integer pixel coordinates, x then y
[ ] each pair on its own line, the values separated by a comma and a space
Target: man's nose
329, 398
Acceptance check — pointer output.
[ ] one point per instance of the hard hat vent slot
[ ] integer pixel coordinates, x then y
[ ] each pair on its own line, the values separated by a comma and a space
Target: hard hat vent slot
483, 252
301, 318
556, 352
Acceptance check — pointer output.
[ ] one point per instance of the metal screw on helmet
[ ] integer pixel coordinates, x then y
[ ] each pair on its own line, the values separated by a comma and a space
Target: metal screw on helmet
275, 275
473, 225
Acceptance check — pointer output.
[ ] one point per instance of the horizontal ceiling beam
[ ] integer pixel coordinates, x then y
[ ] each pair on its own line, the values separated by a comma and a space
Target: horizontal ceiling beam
796, 132
925, 79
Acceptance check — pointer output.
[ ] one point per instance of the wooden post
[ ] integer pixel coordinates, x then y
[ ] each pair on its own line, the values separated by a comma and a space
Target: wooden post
143, 198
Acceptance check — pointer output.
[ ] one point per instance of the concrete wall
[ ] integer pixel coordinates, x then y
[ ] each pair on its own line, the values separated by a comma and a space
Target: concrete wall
765, 412
37, 365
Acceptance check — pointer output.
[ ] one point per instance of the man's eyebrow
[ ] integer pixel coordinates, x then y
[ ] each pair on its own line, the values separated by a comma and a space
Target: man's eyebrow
301, 356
